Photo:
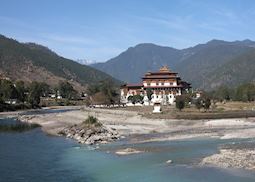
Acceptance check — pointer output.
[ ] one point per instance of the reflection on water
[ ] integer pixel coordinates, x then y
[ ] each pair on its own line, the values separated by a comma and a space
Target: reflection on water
34, 156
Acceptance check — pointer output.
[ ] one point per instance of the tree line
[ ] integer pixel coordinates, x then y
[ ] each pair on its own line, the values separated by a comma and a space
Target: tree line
31, 93
105, 92
244, 92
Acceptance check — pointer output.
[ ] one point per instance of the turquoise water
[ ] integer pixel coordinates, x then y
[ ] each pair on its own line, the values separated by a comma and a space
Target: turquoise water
34, 156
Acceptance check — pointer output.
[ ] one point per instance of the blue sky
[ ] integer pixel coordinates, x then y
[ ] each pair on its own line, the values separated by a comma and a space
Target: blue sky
101, 29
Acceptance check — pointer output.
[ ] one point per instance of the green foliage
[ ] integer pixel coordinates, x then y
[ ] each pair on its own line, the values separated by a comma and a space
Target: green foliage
135, 99
36, 90
180, 102
66, 90
92, 121
149, 93
223, 93
7, 90
45, 89
93, 89
21, 89
107, 90
199, 103
244, 92
207, 103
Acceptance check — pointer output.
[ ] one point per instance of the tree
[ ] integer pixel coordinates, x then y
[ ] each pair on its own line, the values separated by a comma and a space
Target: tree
45, 89
107, 87
66, 90
21, 89
198, 104
224, 93
149, 93
93, 89
7, 90
245, 92
135, 99
106, 90
35, 92
207, 103
180, 102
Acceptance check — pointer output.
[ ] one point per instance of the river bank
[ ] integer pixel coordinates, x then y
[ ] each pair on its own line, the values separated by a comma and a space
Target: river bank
139, 129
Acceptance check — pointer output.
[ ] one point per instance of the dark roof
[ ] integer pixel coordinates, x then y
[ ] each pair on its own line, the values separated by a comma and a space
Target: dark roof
159, 76
158, 86
133, 85
186, 84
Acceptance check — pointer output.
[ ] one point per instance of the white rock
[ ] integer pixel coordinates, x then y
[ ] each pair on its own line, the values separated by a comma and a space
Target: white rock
169, 161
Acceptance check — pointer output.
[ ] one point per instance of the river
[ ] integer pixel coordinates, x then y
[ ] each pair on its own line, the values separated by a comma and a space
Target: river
35, 156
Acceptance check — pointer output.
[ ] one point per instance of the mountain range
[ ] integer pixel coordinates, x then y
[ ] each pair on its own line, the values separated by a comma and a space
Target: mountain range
206, 66
33, 62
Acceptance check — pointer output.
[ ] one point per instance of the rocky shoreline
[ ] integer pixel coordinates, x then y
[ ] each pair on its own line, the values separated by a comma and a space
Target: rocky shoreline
90, 135
117, 123
232, 158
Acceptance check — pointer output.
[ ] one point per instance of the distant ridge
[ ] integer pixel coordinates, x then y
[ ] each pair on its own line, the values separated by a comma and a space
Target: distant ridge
33, 62
199, 65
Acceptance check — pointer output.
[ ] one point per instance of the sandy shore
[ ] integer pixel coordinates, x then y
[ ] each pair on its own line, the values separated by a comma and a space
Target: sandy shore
131, 123
140, 129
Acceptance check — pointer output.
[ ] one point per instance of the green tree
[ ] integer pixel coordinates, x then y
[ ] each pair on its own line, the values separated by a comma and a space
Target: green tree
135, 99
21, 89
149, 93
207, 103
180, 102
198, 104
109, 91
245, 92
223, 93
7, 90
35, 92
93, 89
45, 89
66, 90
106, 90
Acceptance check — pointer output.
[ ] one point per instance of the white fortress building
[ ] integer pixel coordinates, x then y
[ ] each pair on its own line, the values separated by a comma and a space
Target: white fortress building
163, 87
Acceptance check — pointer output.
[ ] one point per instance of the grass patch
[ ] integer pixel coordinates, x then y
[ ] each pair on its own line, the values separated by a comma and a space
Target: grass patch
19, 127
92, 121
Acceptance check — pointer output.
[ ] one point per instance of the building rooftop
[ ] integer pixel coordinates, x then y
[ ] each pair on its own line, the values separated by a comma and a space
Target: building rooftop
135, 85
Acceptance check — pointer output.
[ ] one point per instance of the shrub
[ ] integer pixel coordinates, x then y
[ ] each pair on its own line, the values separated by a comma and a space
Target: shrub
91, 120
207, 103
198, 103
180, 102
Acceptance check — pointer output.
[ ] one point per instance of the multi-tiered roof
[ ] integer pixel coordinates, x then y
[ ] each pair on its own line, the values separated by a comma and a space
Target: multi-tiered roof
165, 73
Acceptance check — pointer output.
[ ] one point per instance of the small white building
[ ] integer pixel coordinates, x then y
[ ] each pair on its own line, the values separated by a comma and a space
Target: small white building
157, 107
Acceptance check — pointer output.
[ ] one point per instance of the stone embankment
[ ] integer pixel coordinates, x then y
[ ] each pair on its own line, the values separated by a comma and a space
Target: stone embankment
90, 135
